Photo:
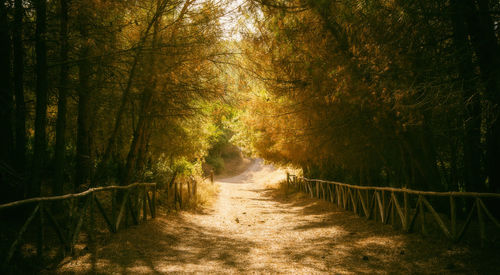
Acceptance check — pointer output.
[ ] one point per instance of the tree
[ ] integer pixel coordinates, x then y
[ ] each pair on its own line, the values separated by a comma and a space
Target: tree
486, 46
60, 149
6, 95
40, 142
83, 150
20, 113
402, 107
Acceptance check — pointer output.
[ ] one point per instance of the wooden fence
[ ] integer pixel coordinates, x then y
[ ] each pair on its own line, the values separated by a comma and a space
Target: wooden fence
384, 204
79, 209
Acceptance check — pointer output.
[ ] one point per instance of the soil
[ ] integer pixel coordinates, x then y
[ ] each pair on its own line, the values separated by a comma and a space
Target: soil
254, 228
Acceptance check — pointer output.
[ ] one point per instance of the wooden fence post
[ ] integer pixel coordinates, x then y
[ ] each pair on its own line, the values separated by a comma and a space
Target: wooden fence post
287, 183
195, 188
132, 209
180, 194
175, 194
113, 209
91, 226
480, 219
122, 210
340, 199
41, 236
154, 202
323, 191
144, 205
330, 189
453, 218
422, 215
384, 206
392, 208
137, 204
406, 212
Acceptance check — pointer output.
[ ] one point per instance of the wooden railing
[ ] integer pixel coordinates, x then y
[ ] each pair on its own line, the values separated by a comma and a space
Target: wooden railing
383, 204
76, 209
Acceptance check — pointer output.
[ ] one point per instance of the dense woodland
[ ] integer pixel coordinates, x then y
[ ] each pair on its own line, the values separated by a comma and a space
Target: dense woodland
385, 93
102, 92
394, 93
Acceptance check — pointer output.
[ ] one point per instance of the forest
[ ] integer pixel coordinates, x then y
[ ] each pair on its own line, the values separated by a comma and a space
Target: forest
380, 93
144, 101
101, 92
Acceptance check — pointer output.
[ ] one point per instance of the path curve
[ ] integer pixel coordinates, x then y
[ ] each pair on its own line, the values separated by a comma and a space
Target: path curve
251, 228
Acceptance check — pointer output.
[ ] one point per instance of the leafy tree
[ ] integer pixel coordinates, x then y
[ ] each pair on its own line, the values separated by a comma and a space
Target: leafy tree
346, 101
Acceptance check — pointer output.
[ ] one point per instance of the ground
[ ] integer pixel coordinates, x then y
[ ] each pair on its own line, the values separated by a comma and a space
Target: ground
253, 228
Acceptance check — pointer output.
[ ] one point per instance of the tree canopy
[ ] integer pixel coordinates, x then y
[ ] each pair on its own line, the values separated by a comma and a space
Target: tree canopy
378, 92
391, 93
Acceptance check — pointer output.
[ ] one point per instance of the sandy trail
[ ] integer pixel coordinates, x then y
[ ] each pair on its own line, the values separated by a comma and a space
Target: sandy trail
251, 229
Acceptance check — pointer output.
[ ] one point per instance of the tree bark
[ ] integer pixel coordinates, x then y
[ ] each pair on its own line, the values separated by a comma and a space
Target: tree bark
6, 99
485, 45
62, 102
40, 147
139, 135
83, 157
20, 115
471, 100
83, 150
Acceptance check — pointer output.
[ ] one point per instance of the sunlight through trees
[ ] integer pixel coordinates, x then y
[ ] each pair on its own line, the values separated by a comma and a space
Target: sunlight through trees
371, 93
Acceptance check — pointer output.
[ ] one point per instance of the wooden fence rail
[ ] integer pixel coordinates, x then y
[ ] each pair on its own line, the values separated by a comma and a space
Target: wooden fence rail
80, 208
405, 208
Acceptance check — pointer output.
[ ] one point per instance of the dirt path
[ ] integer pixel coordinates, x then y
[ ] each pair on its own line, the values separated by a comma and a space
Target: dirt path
251, 229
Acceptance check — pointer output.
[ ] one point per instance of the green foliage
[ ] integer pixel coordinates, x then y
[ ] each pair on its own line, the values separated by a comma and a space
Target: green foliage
226, 124
217, 162
186, 168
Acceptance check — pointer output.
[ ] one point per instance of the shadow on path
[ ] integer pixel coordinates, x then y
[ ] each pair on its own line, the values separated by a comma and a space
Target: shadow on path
167, 244
251, 228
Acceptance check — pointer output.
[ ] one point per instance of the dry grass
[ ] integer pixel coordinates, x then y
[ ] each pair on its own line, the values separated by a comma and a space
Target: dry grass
207, 194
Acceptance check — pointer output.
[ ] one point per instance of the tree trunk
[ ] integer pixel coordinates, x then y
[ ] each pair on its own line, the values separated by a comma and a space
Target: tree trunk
487, 49
143, 148
471, 100
83, 158
421, 158
61, 106
125, 95
138, 138
6, 135
83, 151
144, 114
20, 121
140, 132
40, 149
